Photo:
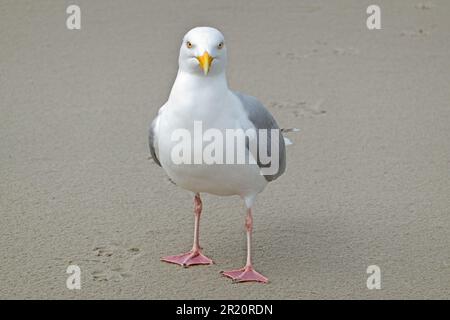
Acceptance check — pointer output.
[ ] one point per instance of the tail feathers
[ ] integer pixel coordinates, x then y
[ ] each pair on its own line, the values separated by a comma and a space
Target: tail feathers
286, 130
288, 141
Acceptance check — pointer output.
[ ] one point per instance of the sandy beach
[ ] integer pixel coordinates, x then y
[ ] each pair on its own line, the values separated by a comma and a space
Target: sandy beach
367, 181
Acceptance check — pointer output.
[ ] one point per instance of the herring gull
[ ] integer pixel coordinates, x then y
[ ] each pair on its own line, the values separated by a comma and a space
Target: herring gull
200, 94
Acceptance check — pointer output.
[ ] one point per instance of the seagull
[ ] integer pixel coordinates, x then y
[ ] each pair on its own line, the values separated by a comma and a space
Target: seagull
200, 93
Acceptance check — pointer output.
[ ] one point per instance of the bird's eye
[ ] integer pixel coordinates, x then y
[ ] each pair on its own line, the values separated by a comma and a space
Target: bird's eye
189, 44
220, 46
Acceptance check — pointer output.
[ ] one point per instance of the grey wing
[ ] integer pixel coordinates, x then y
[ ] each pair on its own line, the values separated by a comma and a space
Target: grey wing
262, 119
152, 141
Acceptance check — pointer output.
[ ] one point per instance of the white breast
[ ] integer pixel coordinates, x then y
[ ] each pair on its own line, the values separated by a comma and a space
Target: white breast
218, 179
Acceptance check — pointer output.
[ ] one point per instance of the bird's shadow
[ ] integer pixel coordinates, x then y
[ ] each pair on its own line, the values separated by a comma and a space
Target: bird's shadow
313, 243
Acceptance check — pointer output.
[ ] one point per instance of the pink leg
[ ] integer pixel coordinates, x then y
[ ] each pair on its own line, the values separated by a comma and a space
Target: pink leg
248, 273
193, 257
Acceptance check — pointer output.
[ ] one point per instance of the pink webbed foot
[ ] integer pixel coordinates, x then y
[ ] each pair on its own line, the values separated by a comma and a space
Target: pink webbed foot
188, 259
245, 274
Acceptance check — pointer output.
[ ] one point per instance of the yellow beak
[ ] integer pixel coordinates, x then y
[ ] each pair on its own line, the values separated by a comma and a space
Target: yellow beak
205, 62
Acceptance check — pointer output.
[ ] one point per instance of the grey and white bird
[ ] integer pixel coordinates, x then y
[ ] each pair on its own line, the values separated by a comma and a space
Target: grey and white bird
200, 94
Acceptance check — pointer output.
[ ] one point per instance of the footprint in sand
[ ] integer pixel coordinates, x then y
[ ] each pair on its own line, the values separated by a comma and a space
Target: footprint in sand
298, 56
424, 6
415, 33
349, 51
419, 32
114, 262
319, 49
301, 108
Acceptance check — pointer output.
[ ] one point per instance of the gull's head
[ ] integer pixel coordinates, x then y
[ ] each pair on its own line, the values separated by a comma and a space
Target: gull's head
203, 52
